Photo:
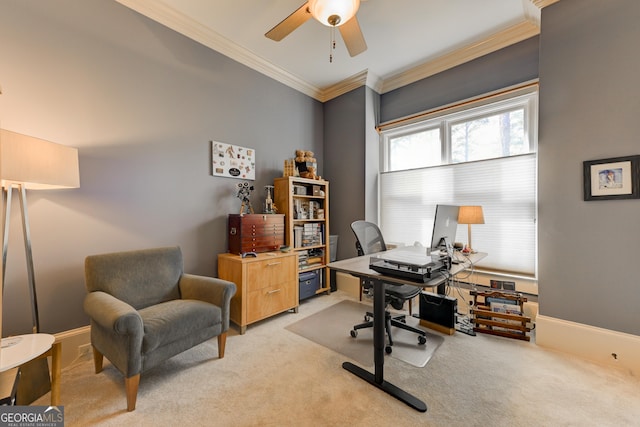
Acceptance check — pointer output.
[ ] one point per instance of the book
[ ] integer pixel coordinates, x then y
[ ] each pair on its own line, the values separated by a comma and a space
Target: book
505, 307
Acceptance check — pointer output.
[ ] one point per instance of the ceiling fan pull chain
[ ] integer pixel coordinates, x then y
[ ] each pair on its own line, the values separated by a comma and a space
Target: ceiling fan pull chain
332, 46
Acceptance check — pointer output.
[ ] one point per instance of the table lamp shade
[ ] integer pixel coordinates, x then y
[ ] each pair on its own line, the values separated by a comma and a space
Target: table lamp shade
470, 215
36, 163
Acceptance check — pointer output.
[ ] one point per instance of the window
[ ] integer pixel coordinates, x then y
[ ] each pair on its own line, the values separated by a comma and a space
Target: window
480, 154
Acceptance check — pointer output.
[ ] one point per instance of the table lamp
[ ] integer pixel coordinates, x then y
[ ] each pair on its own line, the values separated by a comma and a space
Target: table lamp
470, 215
32, 163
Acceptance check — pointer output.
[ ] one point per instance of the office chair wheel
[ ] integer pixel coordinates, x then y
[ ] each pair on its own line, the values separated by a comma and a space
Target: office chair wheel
388, 349
421, 340
353, 333
367, 318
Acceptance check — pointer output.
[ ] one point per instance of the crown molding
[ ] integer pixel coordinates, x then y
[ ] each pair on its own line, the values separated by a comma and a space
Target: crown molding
363, 78
169, 17
502, 39
532, 12
543, 3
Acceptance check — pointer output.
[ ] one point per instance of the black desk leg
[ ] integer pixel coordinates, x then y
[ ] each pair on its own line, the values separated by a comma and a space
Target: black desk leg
377, 379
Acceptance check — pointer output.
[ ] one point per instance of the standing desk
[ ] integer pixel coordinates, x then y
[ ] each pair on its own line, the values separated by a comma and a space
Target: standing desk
359, 267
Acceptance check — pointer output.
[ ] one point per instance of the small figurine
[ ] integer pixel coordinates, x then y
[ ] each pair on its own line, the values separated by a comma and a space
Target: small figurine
244, 190
269, 207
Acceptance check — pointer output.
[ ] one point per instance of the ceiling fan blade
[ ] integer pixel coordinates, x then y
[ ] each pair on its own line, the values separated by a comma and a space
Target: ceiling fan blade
290, 23
352, 36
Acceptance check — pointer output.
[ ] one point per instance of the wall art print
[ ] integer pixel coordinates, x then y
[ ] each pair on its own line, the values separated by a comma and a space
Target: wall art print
609, 179
233, 161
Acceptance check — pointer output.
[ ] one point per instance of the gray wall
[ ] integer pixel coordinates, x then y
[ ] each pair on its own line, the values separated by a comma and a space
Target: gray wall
509, 66
352, 158
345, 164
589, 109
141, 103
352, 146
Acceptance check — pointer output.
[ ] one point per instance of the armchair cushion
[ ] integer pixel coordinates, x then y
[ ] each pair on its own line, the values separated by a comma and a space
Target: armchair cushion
174, 320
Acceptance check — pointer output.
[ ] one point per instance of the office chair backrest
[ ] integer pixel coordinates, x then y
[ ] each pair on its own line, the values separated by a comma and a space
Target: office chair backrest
369, 239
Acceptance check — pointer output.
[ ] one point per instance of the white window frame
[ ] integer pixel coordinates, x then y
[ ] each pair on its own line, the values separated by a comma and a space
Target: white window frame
525, 97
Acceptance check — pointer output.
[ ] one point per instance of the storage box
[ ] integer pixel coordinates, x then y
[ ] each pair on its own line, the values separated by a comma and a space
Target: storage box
309, 284
255, 232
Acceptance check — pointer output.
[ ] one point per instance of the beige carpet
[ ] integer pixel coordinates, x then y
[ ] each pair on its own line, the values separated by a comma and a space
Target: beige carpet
338, 320
272, 377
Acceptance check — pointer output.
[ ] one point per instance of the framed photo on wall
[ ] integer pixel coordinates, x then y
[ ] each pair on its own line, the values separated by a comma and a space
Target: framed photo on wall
610, 179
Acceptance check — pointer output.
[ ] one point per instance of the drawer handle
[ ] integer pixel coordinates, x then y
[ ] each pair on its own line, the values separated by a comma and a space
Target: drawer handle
271, 264
273, 291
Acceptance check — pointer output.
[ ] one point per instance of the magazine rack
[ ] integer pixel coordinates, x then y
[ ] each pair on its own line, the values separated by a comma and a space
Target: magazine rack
500, 313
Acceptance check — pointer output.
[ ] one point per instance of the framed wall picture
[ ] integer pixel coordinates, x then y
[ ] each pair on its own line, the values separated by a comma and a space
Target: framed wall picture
233, 161
610, 179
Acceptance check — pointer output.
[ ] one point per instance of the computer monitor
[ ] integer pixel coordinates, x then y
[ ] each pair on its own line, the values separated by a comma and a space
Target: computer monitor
445, 225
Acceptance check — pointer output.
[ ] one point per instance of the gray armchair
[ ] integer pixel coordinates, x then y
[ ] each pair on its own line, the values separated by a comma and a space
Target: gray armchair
144, 310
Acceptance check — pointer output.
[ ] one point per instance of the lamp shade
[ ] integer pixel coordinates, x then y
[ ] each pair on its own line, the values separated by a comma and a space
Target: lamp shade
470, 215
333, 13
36, 163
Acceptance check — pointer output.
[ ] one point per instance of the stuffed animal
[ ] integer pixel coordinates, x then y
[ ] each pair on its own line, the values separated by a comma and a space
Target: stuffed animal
306, 164
310, 173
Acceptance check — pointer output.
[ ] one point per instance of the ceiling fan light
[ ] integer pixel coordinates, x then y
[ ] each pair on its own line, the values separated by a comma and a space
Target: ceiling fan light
326, 11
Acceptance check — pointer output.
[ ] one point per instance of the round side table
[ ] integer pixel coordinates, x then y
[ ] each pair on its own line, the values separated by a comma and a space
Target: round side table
18, 350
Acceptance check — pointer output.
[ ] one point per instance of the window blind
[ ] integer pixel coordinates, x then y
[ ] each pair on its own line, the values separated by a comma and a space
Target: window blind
504, 187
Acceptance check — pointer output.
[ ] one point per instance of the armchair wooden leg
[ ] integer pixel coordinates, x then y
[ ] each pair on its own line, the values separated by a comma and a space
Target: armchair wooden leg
131, 385
97, 360
222, 341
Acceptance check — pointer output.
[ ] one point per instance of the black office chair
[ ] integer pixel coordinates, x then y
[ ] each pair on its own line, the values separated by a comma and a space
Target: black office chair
369, 240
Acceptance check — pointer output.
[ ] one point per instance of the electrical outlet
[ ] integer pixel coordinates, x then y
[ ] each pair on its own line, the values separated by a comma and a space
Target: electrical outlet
84, 350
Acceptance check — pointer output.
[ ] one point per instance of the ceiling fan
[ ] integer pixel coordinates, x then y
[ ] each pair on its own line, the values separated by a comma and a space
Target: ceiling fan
332, 13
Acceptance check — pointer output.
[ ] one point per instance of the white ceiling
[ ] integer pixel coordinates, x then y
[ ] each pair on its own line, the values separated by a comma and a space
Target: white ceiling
407, 39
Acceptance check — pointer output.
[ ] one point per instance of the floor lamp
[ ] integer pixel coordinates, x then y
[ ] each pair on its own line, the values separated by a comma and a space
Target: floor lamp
32, 163
470, 215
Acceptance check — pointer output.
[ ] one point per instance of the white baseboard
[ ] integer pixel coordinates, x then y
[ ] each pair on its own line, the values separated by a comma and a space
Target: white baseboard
73, 342
599, 345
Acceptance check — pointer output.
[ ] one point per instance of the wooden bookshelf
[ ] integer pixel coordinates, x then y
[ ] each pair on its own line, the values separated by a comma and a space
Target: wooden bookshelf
305, 204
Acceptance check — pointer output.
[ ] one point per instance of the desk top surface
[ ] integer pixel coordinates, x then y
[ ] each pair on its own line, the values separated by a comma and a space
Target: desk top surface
359, 266
22, 348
